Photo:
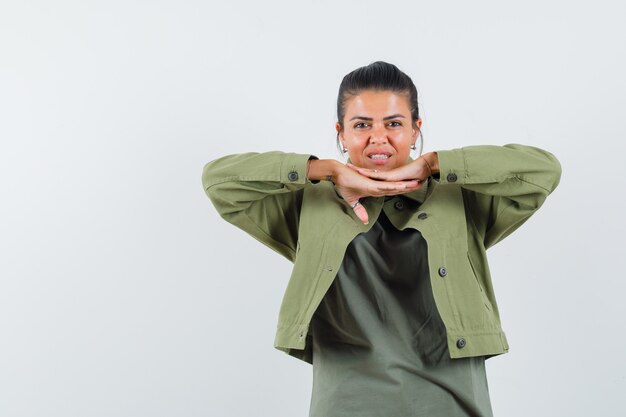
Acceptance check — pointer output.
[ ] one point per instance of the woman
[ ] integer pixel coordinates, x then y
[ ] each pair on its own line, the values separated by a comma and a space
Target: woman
390, 297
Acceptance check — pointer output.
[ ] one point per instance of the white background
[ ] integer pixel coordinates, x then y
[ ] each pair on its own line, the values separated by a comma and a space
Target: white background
122, 292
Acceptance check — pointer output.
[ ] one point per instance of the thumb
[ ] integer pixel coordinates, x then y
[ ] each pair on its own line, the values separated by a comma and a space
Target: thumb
360, 211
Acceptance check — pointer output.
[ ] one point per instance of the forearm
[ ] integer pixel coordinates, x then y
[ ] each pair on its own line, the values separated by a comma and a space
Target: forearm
327, 169
279, 168
490, 169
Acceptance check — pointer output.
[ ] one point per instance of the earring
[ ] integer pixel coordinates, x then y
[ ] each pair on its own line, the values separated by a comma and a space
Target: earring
344, 149
414, 147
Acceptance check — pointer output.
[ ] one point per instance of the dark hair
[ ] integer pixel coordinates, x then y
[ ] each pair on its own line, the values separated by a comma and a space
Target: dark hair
380, 76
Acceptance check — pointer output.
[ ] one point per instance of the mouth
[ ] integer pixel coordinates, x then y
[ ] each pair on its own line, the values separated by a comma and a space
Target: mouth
379, 158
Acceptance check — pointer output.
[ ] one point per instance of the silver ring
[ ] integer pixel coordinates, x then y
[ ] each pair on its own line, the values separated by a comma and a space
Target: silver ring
355, 204
375, 170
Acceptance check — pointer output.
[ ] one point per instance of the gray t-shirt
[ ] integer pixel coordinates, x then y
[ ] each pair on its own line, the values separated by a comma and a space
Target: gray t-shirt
379, 346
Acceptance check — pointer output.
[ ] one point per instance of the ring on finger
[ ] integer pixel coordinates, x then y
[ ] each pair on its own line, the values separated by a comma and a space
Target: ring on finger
355, 204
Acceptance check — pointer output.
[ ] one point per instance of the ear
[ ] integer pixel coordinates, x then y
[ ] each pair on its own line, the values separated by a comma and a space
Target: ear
338, 129
418, 122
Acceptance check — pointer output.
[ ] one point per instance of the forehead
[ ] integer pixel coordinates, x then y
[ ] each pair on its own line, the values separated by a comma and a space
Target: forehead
373, 102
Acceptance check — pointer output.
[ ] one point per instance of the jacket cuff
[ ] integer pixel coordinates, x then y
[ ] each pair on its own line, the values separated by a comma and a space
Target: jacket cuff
452, 167
293, 169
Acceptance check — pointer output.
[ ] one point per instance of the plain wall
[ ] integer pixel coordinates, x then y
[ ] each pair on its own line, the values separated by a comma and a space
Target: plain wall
122, 292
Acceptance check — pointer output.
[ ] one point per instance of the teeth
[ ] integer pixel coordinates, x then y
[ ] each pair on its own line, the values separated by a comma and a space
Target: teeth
379, 156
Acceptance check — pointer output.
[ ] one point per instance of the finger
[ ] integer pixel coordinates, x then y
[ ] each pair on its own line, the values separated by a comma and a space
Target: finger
411, 183
374, 174
410, 189
354, 167
397, 188
360, 169
363, 171
398, 185
359, 210
361, 213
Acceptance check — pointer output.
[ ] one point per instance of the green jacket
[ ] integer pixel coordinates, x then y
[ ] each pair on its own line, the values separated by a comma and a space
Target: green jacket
482, 194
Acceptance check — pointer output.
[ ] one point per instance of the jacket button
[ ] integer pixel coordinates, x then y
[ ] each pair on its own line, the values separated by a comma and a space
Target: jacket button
451, 177
443, 271
399, 205
293, 176
460, 343
422, 216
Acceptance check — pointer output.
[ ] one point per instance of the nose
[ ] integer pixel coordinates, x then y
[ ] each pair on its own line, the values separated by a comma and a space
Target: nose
379, 135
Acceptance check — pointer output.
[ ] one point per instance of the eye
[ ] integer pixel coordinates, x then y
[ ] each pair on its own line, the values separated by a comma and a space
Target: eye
394, 124
360, 125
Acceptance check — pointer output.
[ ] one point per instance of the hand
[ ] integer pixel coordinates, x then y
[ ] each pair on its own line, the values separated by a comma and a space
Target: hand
352, 186
418, 169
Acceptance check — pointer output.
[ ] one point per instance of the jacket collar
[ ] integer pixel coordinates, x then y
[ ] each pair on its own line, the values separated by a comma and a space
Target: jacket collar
421, 193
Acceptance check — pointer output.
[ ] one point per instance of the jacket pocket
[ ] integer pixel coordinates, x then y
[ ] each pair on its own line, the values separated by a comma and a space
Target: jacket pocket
480, 287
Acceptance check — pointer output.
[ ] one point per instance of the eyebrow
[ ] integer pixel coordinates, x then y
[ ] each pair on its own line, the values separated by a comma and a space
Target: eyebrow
369, 119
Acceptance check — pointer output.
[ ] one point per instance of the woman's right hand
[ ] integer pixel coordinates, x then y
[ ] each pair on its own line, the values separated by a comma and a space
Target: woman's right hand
353, 186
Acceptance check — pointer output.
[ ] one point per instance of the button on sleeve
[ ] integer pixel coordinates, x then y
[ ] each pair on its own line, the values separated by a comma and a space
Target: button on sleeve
293, 169
452, 168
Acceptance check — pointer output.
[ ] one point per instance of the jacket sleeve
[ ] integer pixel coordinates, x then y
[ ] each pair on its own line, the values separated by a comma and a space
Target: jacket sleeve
502, 185
260, 193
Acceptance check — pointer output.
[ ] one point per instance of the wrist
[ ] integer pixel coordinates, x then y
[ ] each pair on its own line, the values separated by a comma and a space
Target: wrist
323, 169
432, 160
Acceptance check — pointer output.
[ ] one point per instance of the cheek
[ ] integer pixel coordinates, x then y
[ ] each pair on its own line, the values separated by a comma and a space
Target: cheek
402, 141
356, 141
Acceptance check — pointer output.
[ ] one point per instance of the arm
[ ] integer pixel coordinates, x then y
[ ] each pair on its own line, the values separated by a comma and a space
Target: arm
502, 185
260, 193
